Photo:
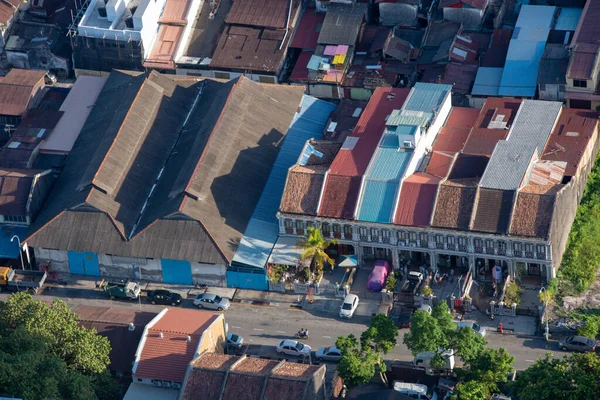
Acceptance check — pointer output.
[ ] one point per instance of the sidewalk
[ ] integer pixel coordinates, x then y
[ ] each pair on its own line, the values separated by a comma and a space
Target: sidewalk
273, 299
521, 324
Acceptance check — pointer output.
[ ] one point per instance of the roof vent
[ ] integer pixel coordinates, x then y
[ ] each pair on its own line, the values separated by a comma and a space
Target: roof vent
131, 327
572, 134
160, 335
188, 338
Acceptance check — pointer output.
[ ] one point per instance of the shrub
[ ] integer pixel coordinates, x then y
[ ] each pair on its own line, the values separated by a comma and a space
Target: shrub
427, 291
391, 284
513, 294
276, 273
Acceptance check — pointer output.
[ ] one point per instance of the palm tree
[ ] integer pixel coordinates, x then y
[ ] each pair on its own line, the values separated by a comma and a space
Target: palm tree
314, 247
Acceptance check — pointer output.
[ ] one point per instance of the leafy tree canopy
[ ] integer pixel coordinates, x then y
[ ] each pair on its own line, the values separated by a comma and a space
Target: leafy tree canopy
357, 365
314, 246
381, 335
572, 377
480, 377
79, 347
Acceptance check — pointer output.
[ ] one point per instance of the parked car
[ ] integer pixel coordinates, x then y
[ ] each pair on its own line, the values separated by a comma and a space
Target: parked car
578, 343
424, 359
164, 297
211, 301
468, 324
349, 306
234, 340
293, 348
415, 390
404, 319
377, 277
330, 353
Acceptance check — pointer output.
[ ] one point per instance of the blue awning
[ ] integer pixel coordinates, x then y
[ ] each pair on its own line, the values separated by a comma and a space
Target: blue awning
10, 249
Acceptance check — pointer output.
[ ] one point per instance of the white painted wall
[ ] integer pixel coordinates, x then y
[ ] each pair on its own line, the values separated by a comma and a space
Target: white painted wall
58, 259
191, 18
209, 274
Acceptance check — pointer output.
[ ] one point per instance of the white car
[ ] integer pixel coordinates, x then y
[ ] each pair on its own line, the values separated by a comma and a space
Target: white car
331, 353
468, 324
293, 348
349, 306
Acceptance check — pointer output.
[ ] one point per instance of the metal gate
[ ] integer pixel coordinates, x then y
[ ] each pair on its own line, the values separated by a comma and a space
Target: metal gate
176, 271
247, 278
83, 263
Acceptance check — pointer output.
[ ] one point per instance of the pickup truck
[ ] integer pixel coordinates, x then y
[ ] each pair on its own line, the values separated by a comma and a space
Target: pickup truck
17, 280
122, 289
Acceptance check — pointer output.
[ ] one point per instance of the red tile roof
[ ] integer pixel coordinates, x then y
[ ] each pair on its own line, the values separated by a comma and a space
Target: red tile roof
583, 61
588, 29
416, 201
167, 358
308, 29
493, 210
533, 214
450, 140
483, 141
343, 183
440, 163
454, 204
570, 138
261, 13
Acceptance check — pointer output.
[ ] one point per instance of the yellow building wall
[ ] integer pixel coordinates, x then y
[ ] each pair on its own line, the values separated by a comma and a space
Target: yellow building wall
213, 339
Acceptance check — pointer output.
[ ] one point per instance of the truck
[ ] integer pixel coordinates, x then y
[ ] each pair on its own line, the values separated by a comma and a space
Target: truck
412, 282
121, 289
18, 280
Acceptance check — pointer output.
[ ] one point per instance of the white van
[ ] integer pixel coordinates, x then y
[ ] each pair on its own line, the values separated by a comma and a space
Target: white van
414, 390
424, 359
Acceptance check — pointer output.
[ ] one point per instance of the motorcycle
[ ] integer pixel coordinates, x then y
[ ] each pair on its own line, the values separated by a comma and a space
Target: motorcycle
301, 335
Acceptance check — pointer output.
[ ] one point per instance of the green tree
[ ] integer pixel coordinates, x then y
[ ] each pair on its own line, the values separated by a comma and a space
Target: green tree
425, 334
313, 248
441, 313
381, 335
467, 343
80, 348
480, 377
572, 377
358, 365
29, 370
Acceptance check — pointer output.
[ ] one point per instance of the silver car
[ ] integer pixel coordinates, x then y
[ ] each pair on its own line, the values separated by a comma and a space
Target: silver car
330, 353
578, 343
211, 302
234, 340
293, 348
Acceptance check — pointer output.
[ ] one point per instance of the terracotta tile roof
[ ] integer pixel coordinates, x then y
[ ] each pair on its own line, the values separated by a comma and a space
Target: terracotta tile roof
307, 32
454, 204
339, 196
533, 214
570, 138
302, 190
342, 184
451, 140
583, 60
261, 13
440, 163
248, 377
167, 358
493, 210
482, 141
113, 323
417, 198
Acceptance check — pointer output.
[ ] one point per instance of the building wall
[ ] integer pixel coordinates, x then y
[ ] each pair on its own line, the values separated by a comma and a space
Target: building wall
209, 274
566, 204
469, 17
213, 338
191, 18
106, 55
57, 259
130, 268
227, 75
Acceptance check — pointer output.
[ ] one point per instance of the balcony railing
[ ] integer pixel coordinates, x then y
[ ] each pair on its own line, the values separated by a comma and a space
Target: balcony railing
462, 247
289, 230
541, 256
529, 254
423, 243
337, 235
348, 235
502, 252
451, 246
518, 253
385, 239
490, 250
365, 238
439, 245
478, 249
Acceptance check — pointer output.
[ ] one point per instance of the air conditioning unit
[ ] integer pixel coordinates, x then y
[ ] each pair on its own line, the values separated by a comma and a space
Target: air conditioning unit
407, 144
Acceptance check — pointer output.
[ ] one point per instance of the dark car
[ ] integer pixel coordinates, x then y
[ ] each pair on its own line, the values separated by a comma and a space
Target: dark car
404, 320
164, 297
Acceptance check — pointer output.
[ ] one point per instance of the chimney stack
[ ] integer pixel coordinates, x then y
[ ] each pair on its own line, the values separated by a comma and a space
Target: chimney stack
160, 335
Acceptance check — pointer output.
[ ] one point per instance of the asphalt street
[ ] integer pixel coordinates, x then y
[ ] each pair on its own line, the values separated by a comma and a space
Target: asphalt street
262, 327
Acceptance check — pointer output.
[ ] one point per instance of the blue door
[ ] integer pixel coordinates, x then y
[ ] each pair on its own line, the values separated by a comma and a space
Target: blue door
255, 280
176, 271
82, 263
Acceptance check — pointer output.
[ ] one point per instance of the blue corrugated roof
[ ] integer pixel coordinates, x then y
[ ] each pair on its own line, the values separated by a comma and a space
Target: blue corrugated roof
568, 19
519, 76
487, 81
389, 163
378, 201
426, 97
10, 249
262, 230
